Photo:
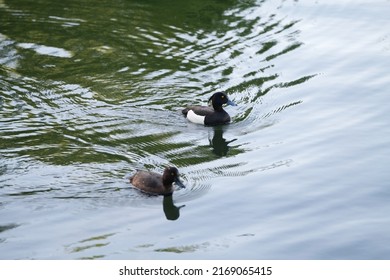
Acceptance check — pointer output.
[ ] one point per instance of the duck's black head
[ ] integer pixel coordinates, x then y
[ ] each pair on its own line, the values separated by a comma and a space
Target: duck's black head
170, 176
219, 99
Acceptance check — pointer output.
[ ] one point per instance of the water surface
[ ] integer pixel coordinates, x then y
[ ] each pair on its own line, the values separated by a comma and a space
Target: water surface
90, 91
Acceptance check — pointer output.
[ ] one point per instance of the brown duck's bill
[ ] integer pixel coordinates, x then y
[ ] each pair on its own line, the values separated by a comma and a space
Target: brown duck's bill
179, 183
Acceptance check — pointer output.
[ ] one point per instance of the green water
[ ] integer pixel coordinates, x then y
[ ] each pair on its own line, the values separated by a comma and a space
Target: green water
90, 91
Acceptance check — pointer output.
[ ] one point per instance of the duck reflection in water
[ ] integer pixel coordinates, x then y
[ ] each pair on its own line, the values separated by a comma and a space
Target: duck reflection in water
172, 212
218, 143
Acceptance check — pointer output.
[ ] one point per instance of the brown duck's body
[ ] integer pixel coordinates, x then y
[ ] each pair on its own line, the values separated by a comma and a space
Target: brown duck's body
155, 183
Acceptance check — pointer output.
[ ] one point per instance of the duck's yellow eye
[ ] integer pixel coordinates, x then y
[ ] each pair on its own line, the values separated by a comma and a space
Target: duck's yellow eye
173, 174
222, 97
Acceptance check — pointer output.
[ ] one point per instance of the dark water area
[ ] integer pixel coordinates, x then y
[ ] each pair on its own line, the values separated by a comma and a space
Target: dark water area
91, 91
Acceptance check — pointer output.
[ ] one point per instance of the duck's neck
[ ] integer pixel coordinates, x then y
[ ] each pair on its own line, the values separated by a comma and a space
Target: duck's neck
218, 108
167, 181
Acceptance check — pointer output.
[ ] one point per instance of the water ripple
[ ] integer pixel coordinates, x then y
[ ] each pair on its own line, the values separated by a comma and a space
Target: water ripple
90, 93
63, 121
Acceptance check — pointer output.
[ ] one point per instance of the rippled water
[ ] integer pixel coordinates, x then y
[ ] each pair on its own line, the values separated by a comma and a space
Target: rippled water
90, 91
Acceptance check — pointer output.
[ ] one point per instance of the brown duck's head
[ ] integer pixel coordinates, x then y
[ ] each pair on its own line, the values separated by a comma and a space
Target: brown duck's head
170, 176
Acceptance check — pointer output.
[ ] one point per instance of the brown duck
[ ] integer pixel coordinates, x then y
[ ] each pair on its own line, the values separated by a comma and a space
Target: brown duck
154, 183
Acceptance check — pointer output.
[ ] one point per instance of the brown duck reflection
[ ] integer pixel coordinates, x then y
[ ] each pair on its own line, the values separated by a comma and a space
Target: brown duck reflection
172, 212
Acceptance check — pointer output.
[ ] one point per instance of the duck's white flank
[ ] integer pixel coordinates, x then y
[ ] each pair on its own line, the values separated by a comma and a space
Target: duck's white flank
192, 117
